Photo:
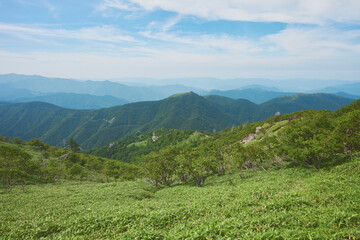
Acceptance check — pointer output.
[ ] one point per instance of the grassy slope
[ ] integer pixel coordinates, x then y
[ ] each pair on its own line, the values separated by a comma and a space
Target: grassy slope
288, 203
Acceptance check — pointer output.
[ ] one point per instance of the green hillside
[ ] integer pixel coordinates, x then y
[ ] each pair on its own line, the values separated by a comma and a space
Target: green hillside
256, 95
92, 128
23, 163
293, 176
132, 148
307, 138
287, 203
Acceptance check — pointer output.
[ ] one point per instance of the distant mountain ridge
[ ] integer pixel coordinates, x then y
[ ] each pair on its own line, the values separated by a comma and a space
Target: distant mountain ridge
92, 128
349, 88
21, 88
255, 94
30, 86
76, 101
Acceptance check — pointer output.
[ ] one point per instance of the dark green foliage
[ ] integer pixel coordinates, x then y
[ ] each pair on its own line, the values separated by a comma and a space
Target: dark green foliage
73, 145
18, 140
20, 165
93, 128
250, 188
159, 168
312, 140
15, 166
307, 138
37, 143
131, 149
348, 130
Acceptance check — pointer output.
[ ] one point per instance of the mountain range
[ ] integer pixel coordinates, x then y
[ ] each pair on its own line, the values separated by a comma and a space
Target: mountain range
92, 128
91, 94
75, 100
24, 87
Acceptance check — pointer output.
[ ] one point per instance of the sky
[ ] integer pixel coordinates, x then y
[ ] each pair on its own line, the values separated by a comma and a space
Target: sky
113, 39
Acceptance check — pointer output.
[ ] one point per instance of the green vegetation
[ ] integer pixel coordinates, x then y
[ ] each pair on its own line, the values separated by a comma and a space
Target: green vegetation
307, 138
256, 95
131, 149
36, 162
292, 176
287, 203
94, 128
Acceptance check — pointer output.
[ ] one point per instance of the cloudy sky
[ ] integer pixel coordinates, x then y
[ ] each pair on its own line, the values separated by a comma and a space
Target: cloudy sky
105, 39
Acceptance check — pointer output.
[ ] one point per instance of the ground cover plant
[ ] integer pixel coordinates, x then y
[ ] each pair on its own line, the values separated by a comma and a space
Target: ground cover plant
290, 177
286, 203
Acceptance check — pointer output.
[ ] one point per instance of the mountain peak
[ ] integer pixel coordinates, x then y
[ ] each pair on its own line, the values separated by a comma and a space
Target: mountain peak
183, 94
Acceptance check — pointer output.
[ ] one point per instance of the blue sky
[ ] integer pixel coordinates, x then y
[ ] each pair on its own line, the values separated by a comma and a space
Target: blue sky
106, 39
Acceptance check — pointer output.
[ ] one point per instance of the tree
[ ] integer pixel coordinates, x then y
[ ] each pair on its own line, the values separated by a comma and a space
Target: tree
38, 144
74, 170
201, 164
159, 167
15, 166
311, 140
73, 145
183, 165
18, 140
348, 130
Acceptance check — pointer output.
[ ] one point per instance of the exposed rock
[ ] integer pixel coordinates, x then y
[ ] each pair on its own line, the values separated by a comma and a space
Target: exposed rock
251, 137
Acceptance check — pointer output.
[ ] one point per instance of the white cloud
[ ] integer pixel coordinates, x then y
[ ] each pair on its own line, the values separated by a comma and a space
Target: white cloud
165, 63
208, 42
297, 51
315, 42
117, 4
289, 11
99, 33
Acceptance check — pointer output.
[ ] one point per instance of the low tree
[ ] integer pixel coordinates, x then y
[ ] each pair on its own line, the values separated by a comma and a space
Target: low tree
75, 170
15, 167
18, 140
183, 166
311, 140
159, 167
202, 164
73, 145
38, 144
348, 131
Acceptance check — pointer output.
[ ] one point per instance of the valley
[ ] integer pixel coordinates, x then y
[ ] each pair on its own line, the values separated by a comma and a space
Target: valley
188, 111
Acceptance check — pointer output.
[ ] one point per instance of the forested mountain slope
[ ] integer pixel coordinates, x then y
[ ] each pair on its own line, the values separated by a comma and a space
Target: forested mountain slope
92, 128
292, 176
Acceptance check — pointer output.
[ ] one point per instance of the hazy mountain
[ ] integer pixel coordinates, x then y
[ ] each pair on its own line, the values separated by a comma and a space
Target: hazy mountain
347, 95
93, 128
261, 87
220, 84
24, 86
350, 88
169, 90
9, 93
288, 85
76, 101
293, 103
99, 88
256, 95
